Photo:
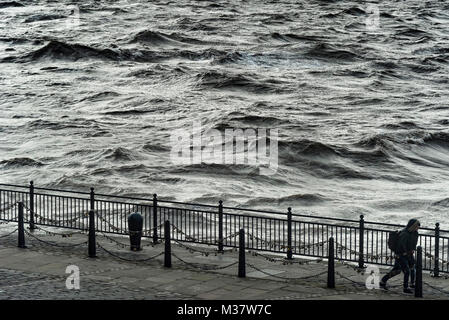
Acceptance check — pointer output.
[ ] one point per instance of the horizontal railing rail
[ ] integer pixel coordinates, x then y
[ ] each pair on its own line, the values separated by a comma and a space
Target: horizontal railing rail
359, 241
237, 209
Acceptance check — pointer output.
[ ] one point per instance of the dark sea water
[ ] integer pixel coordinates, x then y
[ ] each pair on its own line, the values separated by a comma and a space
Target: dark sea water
362, 108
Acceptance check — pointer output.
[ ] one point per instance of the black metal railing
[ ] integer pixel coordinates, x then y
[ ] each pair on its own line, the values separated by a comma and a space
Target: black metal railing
288, 232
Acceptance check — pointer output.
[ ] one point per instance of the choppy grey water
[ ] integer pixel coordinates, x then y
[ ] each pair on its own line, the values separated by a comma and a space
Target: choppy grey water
360, 100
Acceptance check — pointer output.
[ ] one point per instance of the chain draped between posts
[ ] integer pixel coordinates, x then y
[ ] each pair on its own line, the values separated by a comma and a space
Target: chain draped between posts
54, 221
8, 207
435, 288
348, 265
111, 226
274, 244
126, 259
54, 244
204, 253
123, 245
431, 256
149, 233
286, 278
203, 267
64, 235
283, 260
191, 238
7, 235
188, 237
341, 247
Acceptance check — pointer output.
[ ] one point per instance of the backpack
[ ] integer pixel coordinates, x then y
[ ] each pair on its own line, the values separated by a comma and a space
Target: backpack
393, 239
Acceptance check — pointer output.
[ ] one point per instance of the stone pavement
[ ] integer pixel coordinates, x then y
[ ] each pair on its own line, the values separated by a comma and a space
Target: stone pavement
38, 272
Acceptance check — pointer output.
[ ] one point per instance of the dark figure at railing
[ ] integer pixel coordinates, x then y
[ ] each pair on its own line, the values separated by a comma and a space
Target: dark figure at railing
404, 259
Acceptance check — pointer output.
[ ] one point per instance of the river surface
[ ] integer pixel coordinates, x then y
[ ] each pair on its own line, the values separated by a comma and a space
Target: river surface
91, 92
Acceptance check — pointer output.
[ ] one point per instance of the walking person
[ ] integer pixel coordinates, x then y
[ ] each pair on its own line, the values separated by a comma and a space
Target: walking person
404, 256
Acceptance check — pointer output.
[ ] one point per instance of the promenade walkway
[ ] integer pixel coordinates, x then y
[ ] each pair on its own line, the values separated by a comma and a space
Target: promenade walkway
38, 272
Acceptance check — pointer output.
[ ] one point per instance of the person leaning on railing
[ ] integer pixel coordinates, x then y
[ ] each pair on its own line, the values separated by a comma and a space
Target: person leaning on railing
404, 256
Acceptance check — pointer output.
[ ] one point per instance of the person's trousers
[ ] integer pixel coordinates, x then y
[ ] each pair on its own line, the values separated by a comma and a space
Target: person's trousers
406, 264
412, 266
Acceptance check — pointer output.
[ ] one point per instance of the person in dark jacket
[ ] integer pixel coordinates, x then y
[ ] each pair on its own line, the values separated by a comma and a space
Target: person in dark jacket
404, 258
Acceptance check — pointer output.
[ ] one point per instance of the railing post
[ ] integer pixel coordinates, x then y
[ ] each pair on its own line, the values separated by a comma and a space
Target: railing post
331, 265
155, 218
92, 199
289, 234
361, 242
21, 229
242, 264
436, 269
220, 226
92, 241
418, 280
32, 227
167, 256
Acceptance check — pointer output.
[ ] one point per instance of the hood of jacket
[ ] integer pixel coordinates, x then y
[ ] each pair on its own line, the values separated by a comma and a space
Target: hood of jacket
413, 225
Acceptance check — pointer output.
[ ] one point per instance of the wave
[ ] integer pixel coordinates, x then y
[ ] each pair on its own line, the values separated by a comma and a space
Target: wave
404, 125
101, 96
63, 125
291, 37
151, 37
411, 32
128, 112
389, 65
193, 25
218, 56
44, 17
306, 148
216, 169
442, 203
227, 57
225, 80
8, 4
255, 120
64, 51
20, 162
326, 51
328, 161
152, 147
58, 50
119, 154
353, 11
159, 38
415, 147
301, 199
440, 138
423, 68
411, 137
391, 156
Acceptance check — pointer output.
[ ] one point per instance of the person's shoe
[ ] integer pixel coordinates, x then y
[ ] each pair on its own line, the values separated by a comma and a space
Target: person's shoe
408, 291
383, 285
412, 286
